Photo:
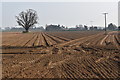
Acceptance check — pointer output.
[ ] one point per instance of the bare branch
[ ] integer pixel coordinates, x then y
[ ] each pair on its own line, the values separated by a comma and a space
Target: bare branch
27, 18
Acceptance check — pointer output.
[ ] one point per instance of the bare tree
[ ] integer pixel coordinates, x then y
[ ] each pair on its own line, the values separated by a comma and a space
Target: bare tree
27, 19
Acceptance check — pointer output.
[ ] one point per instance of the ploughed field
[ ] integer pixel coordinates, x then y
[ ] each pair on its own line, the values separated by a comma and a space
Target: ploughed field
68, 54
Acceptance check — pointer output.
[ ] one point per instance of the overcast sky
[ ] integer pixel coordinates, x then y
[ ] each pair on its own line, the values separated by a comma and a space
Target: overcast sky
64, 13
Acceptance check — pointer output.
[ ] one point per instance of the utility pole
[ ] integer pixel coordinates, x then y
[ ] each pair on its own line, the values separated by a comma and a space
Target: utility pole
105, 22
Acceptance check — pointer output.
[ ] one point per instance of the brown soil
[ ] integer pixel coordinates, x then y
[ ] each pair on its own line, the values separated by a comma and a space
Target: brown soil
61, 55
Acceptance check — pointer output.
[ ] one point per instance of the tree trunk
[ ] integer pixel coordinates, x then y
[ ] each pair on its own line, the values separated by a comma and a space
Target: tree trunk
26, 29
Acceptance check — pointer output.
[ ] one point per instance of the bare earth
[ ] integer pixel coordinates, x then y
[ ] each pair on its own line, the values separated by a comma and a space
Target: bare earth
71, 54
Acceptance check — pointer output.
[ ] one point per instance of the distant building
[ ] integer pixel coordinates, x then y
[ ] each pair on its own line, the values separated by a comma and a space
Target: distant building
94, 28
72, 29
79, 27
54, 28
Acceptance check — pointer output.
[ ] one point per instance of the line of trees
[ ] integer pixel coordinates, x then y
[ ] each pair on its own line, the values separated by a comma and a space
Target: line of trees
14, 29
112, 26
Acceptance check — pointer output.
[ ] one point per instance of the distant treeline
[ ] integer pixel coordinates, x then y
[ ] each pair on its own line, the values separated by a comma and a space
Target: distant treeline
58, 27
79, 28
22, 29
